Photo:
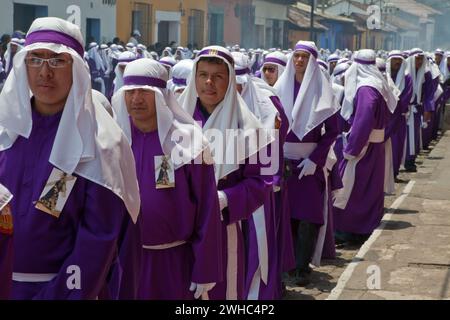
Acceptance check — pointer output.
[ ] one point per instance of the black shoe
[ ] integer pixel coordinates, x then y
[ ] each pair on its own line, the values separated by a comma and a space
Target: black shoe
303, 279
411, 168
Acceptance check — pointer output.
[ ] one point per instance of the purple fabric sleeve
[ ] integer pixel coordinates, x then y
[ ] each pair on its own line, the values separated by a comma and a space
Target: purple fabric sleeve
95, 247
207, 241
366, 103
320, 154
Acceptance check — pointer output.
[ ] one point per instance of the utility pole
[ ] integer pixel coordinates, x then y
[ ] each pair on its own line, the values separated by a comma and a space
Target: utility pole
312, 37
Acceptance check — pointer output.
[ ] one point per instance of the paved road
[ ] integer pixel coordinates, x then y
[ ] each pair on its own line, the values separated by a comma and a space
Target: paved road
408, 257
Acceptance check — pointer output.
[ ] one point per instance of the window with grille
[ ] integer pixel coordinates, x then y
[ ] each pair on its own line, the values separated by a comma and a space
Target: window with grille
196, 28
141, 20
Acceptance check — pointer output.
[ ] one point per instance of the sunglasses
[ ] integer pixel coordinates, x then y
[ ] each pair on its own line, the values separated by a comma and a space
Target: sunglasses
269, 69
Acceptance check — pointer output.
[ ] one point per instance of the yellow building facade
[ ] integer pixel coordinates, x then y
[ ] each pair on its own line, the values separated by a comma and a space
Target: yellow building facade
181, 21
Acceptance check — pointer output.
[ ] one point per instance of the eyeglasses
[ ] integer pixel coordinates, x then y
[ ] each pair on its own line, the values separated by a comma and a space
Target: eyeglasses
270, 70
55, 63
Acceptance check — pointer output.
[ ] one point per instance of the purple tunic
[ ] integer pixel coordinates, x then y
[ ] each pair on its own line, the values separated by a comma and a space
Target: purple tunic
85, 235
431, 106
6, 265
286, 255
366, 204
428, 90
397, 128
188, 212
306, 196
246, 191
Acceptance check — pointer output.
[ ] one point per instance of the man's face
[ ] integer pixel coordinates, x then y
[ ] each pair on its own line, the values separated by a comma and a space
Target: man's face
419, 62
13, 48
438, 58
50, 86
141, 105
332, 66
301, 60
270, 73
212, 82
396, 63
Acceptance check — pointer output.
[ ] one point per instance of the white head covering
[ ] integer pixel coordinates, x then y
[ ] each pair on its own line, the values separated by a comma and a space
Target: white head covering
255, 92
150, 75
14, 41
231, 114
95, 55
339, 73
315, 101
276, 58
181, 75
167, 52
88, 142
444, 67
401, 74
124, 59
101, 101
131, 47
417, 76
363, 72
169, 62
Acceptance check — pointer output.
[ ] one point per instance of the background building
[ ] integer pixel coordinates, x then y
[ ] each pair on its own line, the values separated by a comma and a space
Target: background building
95, 17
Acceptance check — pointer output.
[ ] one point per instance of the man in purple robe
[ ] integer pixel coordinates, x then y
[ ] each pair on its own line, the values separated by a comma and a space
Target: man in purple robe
359, 206
421, 107
244, 188
311, 107
70, 202
266, 106
180, 220
396, 129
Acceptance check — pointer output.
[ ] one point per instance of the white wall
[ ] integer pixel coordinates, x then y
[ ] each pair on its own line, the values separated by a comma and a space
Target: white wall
57, 8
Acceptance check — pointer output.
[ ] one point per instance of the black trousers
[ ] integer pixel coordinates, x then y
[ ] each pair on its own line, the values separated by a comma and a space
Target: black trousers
306, 239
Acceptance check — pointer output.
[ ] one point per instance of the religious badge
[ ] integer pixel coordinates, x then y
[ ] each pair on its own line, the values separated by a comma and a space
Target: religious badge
164, 172
56, 193
6, 222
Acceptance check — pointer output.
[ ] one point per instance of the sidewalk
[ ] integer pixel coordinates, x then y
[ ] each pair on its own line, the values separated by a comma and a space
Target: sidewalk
411, 250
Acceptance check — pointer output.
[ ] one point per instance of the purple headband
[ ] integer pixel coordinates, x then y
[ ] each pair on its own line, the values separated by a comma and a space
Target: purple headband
365, 61
413, 53
323, 64
179, 81
275, 60
215, 52
382, 69
396, 55
167, 63
333, 60
126, 60
144, 81
51, 36
302, 47
242, 72
340, 72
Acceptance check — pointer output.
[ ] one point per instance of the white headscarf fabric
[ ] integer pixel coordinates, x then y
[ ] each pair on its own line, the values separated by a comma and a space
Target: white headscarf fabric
315, 101
8, 53
276, 58
364, 72
124, 59
88, 142
95, 55
417, 76
401, 74
148, 74
181, 75
444, 66
255, 92
231, 114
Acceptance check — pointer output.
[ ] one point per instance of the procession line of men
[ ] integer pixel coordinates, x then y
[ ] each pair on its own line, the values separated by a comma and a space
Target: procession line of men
138, 198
